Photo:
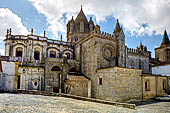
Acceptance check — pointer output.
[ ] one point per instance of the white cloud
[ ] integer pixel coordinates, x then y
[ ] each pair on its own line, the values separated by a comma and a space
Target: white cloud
131, 13
10, 20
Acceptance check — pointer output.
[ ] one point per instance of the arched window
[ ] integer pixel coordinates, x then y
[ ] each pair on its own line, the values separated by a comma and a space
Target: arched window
19, 52
52, 54
68, 55
56, 68
73, 69
36, 54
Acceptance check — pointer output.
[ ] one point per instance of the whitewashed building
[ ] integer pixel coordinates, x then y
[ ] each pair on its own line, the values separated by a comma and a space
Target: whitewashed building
162, 69
7, 76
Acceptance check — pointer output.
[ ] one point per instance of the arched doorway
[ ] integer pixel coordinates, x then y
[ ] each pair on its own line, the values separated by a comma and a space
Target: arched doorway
56, 73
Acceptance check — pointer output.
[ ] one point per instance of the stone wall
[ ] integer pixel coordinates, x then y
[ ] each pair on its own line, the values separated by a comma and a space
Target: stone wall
138, 61
155, 86
31, 78
78, 85
119, 84
162, 90
160, 53
93, 59
53, 77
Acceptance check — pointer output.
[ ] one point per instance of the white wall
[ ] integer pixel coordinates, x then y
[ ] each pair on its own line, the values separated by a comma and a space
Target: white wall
162, 70
8, 67
7, 77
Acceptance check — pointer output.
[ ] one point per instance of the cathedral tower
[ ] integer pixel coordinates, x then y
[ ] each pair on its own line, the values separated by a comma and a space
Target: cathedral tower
118, 32
78, 28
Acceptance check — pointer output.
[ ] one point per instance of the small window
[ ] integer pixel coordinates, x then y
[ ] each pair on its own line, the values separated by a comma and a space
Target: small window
147, 85
100, 81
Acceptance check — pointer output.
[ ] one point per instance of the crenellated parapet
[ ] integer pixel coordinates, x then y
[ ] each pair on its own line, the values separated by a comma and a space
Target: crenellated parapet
138, 52
102, 34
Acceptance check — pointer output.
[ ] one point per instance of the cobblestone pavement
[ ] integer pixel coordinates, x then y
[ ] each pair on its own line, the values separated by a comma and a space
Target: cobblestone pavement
23, 103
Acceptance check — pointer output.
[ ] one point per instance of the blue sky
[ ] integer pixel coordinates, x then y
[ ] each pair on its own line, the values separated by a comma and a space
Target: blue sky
142, 21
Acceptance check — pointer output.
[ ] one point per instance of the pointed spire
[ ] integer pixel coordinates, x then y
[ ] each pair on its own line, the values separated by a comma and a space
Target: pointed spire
165, 38
61, 38
81, 8
7, 32
10, 31
91, 21
81, 17
117, 28
72, 19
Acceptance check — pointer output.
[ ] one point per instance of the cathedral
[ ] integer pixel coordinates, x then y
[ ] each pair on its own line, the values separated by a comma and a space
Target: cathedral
91, 63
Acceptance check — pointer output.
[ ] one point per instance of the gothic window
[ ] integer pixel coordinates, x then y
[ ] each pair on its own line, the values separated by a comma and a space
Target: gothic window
52, 54
147, 85
36, 55
100, 81
19, 52
56, 68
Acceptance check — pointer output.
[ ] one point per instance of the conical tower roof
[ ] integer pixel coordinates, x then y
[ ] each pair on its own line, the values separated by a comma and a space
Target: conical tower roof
117, 28
165, 38
81, 17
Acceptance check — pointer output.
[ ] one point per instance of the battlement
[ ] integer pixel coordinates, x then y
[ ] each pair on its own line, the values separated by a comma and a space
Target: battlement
139, 52
102, 34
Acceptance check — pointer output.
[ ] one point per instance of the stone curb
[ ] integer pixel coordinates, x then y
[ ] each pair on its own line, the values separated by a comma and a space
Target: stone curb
125, 105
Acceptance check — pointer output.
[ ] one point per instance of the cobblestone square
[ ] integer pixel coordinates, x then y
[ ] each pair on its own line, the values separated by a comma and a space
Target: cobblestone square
24, 103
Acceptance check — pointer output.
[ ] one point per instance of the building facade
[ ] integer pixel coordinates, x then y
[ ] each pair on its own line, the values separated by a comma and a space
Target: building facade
91, 63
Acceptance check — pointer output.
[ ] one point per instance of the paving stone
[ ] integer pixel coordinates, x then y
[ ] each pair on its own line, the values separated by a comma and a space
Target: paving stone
24, 103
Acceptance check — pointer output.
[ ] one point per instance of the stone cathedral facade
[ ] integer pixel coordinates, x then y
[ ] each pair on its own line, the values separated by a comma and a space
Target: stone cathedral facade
91, 63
